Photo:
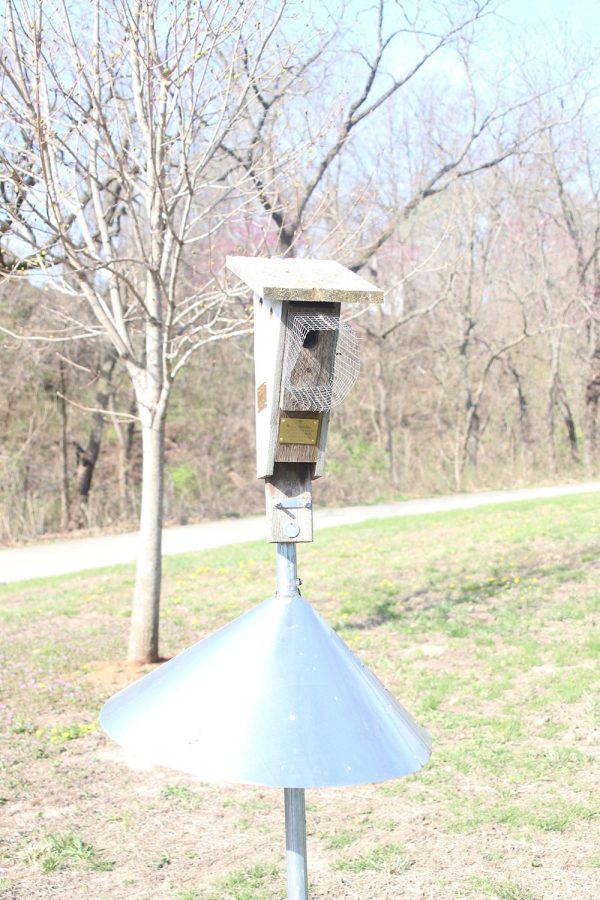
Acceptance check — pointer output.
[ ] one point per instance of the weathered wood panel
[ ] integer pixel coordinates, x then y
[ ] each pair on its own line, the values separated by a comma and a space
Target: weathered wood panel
294, 525
306, 280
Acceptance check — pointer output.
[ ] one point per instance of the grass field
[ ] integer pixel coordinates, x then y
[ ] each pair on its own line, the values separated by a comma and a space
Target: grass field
483, 623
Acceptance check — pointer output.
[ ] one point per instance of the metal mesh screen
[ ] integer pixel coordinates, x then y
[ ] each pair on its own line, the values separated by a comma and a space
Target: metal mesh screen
322, 363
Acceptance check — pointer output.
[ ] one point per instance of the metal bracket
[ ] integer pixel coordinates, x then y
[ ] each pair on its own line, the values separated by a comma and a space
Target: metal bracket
292, 503
289, 503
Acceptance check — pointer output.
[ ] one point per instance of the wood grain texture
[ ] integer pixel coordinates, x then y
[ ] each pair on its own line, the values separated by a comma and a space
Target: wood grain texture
289, 481
305, 280
318, 469
269, 340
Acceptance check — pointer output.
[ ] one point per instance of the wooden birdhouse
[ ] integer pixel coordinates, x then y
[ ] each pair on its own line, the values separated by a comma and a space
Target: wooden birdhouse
306, 362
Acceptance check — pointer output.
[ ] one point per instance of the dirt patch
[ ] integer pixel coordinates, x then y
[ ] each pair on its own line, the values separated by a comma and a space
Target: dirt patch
111, 676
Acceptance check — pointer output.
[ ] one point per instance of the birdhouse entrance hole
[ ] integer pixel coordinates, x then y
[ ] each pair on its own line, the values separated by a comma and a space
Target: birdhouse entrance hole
310, 341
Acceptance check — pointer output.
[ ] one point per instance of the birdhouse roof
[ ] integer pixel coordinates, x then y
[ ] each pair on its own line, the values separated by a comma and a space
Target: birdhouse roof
312, 280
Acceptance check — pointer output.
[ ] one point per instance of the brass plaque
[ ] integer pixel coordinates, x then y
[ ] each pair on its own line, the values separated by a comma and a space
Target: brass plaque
298, 431
261, 397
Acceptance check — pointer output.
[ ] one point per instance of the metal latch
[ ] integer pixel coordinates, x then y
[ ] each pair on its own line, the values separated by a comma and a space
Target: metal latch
292, 503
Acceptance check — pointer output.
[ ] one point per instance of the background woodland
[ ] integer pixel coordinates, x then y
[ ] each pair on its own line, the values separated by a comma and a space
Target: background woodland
468, 190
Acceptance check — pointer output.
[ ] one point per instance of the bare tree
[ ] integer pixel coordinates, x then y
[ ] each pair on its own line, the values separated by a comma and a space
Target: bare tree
113, 118
394, 139
579, 204
378, 147
135, 137
116, 128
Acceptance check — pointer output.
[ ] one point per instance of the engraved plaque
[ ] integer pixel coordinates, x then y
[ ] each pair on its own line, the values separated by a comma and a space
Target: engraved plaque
298, 431
261, 397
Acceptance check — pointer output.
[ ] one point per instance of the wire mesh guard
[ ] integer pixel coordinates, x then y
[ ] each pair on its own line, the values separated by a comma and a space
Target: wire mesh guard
322, 363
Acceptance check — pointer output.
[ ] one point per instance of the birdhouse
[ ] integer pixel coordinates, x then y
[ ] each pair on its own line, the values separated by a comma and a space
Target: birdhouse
306, 362
275, 697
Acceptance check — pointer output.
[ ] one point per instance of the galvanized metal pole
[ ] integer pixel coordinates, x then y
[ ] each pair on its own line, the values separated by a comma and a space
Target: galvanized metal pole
295, 811
287, 573
295, 843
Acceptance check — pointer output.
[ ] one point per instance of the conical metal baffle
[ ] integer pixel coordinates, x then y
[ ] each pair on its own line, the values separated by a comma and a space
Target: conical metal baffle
274, 698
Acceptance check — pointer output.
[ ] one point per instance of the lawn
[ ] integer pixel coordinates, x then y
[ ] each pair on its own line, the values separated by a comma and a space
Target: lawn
483, 623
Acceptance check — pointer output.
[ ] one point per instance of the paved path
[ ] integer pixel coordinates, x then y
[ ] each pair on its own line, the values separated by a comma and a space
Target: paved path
79, 554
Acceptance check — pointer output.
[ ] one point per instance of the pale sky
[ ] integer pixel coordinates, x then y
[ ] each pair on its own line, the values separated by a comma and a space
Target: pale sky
581, 13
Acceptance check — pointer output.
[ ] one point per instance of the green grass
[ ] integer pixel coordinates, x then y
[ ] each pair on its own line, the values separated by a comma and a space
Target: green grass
500, 890
483, 623
340, 839
181, 795
59, 851
391, 858
163, 859
252, 883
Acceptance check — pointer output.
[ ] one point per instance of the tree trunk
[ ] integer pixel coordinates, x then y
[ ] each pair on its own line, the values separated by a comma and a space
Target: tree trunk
467, 440
458, 458
125, 437
385, 415
551, 405
523, 408
568, 420
143, 636
551, 427
592, 402
471, 448
87, 456
64, 449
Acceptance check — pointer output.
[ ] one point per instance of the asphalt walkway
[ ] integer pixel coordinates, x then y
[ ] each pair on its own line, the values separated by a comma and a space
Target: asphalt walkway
81, 553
